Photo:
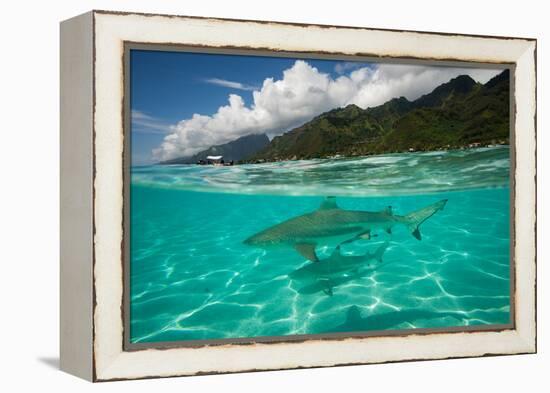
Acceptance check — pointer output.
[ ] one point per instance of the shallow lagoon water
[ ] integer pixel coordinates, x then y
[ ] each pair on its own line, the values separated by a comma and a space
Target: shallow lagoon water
191, 276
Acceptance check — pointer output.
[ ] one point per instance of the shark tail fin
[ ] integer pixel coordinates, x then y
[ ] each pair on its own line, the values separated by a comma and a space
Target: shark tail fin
379, 253
414, 219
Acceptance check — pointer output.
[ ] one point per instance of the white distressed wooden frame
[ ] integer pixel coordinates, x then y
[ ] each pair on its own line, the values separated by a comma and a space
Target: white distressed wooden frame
92, 91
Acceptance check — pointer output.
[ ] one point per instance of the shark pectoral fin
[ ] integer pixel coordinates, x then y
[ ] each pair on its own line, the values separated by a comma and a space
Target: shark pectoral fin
307, 250
327, 286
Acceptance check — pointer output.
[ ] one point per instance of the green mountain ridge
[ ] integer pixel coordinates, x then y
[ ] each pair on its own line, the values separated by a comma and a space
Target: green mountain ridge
235, 150
459, 113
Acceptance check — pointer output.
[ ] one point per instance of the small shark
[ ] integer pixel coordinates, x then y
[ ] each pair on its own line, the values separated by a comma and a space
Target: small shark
330, 223
336, 270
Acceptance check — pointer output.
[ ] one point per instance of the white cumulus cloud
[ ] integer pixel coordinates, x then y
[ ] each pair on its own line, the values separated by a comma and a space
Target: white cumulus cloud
341, 68
231, 84
303, 93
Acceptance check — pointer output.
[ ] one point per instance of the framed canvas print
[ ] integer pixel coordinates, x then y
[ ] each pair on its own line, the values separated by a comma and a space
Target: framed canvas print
245, 195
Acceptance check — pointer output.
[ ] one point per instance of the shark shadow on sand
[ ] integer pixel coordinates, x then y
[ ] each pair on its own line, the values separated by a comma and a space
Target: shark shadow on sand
355, 322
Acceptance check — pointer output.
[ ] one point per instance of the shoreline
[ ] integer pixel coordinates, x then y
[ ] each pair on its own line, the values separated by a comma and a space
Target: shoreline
470, 146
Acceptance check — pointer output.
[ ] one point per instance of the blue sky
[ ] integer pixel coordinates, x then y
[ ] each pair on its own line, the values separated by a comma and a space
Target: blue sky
172, 86
169, 89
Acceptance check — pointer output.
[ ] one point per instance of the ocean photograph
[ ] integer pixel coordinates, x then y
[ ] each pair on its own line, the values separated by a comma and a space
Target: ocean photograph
272, 198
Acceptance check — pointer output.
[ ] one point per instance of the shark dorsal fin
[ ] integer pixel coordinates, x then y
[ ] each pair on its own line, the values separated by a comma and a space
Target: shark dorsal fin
328, 203
353, 315
388, 210
337, 252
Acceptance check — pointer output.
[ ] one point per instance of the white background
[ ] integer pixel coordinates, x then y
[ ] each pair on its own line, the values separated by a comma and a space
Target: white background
29, 205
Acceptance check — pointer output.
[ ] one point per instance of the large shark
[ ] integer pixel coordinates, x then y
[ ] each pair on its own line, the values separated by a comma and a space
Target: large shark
336, 270
330, 223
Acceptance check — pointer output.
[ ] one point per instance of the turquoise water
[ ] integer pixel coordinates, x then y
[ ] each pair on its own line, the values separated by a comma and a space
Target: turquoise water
192, 277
